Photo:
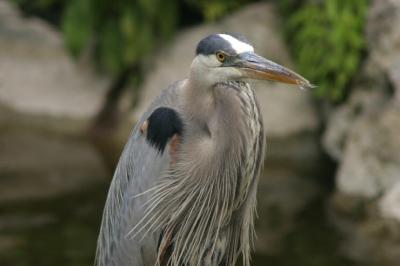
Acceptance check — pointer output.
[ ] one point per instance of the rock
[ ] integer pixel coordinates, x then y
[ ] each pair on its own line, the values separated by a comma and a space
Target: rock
362, 134
382, 33
46, 104
341, 119
35, 164
38, 163
38, 76
383, 39
371, 158
394, 75
390, 202
367, 237
289, 114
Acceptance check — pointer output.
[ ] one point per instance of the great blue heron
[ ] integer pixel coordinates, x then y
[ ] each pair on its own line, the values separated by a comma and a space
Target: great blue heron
184, 191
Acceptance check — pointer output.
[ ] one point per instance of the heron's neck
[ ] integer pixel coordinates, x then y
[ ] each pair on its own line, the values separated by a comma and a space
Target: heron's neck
230, 116
198, 99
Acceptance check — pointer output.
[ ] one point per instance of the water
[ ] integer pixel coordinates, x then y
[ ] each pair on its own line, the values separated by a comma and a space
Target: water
60, 231
63, 231
312, 242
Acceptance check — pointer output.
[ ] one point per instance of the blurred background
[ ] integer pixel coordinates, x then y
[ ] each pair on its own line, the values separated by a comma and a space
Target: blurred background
75, 75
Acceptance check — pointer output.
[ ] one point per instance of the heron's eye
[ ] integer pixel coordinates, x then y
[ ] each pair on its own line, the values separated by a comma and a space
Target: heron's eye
220, 56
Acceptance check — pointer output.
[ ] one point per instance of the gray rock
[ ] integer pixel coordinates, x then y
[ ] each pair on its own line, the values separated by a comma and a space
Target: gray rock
363, 136
363, 133
46, 104
389, 204
38, 76
371, 158
367, 237
38, 163
341, 119
382, 33
383, 39
394, 75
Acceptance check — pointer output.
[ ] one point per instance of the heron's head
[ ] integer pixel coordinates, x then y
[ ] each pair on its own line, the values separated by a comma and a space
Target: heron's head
225, 57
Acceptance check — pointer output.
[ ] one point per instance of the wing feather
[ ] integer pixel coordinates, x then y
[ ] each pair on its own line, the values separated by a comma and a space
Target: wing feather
138, 170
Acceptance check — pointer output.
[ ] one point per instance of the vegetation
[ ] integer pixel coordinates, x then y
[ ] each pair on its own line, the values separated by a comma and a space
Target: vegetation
215, 9
123, 32
327, 42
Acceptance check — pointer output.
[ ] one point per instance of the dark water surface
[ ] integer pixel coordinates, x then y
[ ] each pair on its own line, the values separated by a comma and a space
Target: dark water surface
63, 231
60, 231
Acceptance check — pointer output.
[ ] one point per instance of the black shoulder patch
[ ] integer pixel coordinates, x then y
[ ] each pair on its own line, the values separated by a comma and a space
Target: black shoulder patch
163, 123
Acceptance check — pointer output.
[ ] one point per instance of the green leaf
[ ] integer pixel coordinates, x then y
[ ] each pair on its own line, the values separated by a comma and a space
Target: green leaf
77, 25
327, 41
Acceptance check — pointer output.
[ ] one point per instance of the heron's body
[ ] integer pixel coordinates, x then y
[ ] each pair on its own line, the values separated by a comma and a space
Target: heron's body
184, 191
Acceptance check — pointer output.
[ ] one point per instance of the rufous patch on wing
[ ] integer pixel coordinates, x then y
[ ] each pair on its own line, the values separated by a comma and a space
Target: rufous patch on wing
165, 247
173, 147
144, 126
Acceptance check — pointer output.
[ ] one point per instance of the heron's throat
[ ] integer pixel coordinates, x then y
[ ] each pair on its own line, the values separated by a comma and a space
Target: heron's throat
198, 99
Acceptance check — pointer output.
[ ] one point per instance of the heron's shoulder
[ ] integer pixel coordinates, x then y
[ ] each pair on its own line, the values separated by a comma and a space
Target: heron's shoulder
163, 118
171, 94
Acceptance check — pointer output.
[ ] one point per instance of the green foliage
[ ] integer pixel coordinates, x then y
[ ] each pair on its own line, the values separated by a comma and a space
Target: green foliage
48, 9
38, 5
122, 31
78, 31
215, 9
327, 41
